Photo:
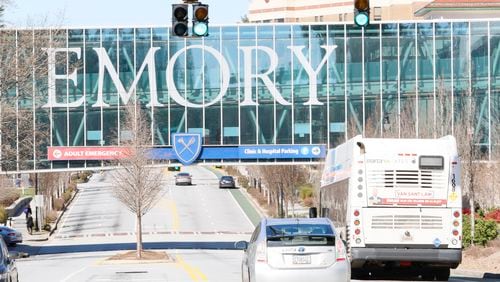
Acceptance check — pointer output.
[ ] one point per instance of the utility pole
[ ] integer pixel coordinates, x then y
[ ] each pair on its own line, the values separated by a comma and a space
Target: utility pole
36, 207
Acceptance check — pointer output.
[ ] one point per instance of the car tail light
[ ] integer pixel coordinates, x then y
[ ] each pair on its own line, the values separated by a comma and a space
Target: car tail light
341, 251
261, 253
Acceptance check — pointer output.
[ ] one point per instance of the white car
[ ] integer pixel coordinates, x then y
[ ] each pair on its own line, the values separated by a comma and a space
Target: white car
183, 178
294, 249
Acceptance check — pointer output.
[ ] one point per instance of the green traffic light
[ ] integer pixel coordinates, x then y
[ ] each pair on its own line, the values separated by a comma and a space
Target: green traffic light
361, 19
200, 29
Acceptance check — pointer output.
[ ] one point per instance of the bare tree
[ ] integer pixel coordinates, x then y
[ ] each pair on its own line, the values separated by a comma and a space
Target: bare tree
137, 184
283, 181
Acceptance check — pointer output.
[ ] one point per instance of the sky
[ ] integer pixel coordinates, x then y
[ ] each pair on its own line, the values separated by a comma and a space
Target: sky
111, 13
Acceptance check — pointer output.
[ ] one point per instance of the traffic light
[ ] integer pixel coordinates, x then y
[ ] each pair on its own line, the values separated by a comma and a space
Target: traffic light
180, 19
361, 12
200, 19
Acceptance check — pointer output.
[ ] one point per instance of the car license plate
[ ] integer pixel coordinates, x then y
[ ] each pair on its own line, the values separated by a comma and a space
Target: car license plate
301, 259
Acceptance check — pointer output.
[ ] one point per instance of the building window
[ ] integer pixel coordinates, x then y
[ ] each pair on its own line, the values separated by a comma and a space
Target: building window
297, 20
281, 20
320, 18
377, 13
341, 18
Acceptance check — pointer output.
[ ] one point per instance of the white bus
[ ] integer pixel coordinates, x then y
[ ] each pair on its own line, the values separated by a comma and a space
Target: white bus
398, 203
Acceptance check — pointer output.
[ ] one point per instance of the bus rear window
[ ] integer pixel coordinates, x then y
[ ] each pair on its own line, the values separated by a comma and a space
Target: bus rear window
431, 162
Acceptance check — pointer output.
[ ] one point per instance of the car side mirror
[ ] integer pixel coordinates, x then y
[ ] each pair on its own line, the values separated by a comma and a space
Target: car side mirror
241, 245
13, 255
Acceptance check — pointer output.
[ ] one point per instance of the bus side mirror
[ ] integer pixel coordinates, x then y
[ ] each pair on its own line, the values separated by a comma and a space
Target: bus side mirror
313, 212
361, 147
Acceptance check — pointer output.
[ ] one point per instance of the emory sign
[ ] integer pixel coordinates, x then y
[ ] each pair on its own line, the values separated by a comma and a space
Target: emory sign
105, 64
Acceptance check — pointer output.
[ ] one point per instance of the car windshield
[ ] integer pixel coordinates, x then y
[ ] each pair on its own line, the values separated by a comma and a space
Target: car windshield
300, 234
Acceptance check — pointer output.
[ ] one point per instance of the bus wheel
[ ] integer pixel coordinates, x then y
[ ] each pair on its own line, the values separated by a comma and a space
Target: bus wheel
443, 274
359, 274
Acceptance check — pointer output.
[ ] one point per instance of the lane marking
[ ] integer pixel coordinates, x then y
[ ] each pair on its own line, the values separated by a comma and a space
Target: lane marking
193, 272
71, 275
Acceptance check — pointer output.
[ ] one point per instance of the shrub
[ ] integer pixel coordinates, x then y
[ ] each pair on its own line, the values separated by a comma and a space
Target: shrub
8, 196
71, 187
47, 227
66, 196
58, 204
484, 231
243, 181
3, 215
51, 216
309, 201
306, 191
74, 177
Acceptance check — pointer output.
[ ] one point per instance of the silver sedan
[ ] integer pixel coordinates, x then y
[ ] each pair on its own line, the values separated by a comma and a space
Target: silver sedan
183, 178
295, 249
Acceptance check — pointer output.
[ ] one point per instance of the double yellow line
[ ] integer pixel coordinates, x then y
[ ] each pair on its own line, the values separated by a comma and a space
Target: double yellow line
194, 273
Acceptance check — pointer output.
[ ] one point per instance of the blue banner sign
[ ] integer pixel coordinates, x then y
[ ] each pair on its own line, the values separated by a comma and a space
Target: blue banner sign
249, 152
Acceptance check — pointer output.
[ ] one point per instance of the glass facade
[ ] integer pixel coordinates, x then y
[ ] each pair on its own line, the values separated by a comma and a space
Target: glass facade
262, 84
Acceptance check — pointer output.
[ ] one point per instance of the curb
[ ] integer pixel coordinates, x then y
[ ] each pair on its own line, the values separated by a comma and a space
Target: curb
63, 212
475, 273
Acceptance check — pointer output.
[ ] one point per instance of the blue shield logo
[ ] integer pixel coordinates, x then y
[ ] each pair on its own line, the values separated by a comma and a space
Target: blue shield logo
187, 147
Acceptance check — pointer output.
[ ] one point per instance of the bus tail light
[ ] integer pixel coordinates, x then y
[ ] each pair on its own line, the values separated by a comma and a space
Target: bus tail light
357, 231
356, 213
356, 222
456, 223
261, 253
455, 232
456, 214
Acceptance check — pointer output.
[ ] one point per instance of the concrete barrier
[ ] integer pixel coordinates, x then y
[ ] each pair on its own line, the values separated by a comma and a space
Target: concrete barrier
17, 207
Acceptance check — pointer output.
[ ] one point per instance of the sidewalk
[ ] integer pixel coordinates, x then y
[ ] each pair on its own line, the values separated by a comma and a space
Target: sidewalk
19, 224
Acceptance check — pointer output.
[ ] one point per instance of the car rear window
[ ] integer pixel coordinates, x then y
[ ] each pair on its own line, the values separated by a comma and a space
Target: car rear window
183, 174
300, 234
227, 178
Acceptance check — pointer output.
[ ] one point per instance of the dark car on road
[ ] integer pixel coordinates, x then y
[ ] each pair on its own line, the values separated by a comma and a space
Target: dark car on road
227, 182
8, 269
10, 236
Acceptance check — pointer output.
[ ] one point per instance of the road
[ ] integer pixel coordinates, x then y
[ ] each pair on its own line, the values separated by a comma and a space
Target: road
195, 225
